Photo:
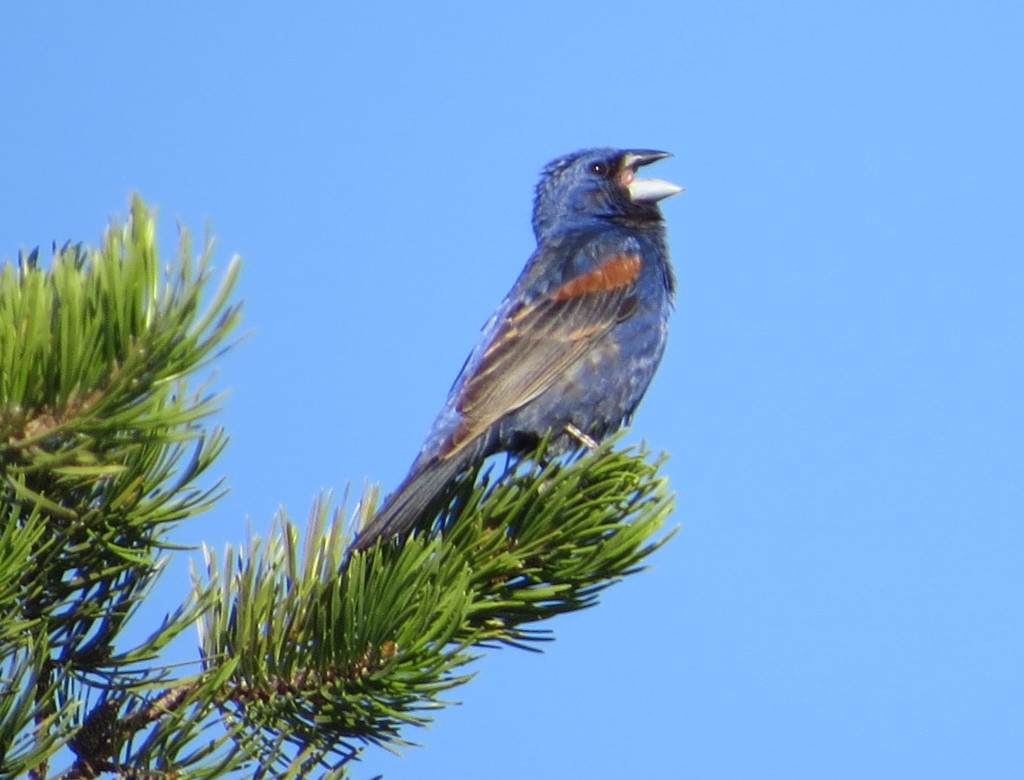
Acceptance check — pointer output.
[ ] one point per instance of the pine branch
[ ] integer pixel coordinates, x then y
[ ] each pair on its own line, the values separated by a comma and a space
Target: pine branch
334, 654
102, 445
309, 657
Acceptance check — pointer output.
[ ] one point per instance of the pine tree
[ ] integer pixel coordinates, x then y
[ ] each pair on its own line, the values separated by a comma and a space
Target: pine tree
308, 653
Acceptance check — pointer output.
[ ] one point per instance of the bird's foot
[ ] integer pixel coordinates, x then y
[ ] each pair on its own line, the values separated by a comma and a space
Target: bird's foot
580, 436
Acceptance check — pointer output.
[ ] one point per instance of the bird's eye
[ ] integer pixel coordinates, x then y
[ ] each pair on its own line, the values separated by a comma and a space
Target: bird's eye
601, 169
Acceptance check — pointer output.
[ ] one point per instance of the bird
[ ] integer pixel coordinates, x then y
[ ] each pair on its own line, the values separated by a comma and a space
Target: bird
571, 350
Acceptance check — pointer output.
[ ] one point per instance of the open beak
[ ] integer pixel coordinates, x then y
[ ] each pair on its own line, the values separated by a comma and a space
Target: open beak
645, 190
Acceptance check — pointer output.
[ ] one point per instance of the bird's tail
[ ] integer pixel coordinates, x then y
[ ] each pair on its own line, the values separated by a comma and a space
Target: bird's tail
411, 499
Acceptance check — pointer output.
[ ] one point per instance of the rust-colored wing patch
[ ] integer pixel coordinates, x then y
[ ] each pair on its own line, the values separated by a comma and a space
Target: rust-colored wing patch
537, 343
617, 271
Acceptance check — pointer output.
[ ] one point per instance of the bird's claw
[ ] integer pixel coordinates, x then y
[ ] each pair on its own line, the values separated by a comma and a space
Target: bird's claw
587, 441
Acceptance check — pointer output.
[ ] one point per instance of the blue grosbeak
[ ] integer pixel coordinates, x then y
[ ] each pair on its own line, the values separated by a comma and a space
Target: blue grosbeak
573, 347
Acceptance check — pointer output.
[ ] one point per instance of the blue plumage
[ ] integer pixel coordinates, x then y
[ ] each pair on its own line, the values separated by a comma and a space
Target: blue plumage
574, 345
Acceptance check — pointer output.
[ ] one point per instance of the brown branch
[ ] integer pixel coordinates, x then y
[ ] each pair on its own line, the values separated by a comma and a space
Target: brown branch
102, 734
97, 742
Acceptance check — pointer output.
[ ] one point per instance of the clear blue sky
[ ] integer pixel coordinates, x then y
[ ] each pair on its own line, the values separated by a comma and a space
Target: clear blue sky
841, 397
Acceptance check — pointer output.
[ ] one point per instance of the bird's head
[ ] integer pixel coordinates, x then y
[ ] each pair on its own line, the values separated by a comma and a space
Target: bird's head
598, 184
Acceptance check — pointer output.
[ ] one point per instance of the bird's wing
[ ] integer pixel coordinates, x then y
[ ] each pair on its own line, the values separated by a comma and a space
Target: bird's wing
536, 342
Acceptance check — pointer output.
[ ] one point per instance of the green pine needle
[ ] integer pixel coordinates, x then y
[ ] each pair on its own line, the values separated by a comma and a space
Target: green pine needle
334, 653
103, 444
